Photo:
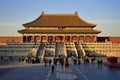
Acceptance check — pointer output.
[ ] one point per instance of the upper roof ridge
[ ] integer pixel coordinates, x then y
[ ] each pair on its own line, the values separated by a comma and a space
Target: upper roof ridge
59, 20
74, 14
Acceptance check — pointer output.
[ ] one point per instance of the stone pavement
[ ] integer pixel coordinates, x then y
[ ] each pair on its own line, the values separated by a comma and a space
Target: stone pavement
64, 74
23, 71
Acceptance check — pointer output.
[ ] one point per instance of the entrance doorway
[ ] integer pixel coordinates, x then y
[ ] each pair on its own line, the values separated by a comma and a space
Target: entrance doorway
59, 38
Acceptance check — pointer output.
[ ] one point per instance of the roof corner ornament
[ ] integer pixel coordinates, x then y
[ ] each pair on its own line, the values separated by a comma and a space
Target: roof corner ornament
76, 13
42, 13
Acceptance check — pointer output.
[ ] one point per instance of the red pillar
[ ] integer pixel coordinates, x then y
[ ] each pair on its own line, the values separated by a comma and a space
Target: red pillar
71, 39
26, 38
77, 39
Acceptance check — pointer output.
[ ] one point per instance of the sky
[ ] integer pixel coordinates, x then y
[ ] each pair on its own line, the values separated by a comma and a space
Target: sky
104, 13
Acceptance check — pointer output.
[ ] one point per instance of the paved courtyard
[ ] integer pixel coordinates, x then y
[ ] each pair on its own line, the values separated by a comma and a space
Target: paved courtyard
23, 71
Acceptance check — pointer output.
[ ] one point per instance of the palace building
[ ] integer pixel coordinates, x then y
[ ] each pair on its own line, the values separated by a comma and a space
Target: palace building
59, 28
54, 35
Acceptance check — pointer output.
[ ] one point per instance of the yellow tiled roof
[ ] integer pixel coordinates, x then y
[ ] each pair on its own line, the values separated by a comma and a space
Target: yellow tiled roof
59, 31
59, 20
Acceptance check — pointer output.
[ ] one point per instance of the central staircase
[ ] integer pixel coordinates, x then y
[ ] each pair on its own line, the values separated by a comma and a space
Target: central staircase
40, 52
60, 49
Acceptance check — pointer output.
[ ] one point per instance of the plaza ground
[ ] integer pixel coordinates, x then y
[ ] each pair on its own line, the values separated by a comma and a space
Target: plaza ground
24, 71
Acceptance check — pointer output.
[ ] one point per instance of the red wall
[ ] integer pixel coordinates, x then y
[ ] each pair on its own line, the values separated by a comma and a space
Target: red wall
19, 39
10, 39
114, 39
111, 39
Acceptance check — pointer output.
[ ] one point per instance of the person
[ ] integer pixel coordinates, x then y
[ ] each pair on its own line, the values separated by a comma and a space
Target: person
87, 61
65, 64
79, 61
62, 62
98, 62
37, 60
101, 62
52, 68
92, 60
84, 61
50, 62
75, 61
